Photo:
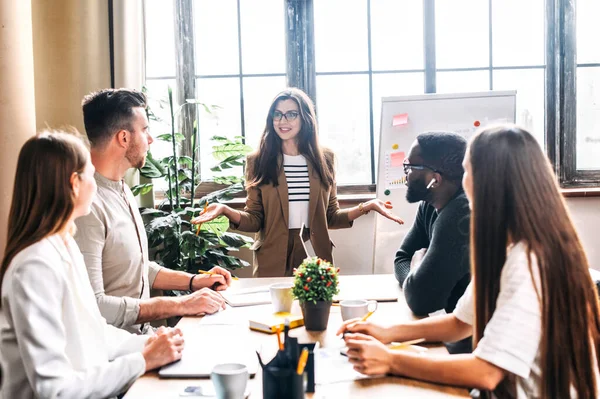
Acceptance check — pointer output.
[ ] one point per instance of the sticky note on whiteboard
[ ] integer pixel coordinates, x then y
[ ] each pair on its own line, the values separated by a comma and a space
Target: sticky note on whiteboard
400, 119
397, 159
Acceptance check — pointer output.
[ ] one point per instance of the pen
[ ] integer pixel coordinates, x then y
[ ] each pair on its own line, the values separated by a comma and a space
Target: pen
215, 274
302, 361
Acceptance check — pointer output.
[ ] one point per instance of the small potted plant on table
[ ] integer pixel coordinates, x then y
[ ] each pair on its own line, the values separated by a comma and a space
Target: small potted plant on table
315, 284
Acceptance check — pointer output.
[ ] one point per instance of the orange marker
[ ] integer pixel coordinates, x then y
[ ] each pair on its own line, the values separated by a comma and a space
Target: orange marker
200, 224
302, 361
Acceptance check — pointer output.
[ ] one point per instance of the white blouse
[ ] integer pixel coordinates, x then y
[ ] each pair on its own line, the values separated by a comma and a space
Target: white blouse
53, 340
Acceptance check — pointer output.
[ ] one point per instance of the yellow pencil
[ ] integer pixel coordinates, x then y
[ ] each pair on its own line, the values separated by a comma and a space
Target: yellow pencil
200, 224
214, 274
400, 345
365, 317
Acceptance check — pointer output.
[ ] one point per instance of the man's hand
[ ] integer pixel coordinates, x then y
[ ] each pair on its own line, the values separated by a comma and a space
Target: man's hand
368, 355
417, 258
220, 279
365, 327
164, 347
201, 302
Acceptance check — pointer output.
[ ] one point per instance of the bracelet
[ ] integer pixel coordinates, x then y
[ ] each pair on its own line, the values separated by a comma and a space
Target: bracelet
191, 281
361, 209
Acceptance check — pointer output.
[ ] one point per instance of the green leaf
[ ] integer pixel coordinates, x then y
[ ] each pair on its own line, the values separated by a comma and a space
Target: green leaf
219, 138
185, 161
222, 152
236, 240
152, 211
141, 189
153, 168
167, 137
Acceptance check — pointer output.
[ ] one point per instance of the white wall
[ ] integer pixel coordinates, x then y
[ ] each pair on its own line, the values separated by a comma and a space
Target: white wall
354, 247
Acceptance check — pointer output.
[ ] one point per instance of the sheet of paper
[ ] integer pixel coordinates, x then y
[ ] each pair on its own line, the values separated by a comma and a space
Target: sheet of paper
331, 367
394, 171
400, 119
226, 317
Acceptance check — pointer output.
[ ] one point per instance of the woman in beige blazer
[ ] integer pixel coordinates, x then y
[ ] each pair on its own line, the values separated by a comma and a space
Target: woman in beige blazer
53, 340
290, 182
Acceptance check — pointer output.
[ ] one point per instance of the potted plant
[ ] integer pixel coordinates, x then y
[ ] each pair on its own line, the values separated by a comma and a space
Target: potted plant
315, 284
172, 240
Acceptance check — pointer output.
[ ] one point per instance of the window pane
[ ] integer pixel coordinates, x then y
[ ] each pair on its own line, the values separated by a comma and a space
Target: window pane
588, 118
392, 84
263, 36
462, 33
341, 35
396, 34
463, 81
588, 31
160, 38
343, 113
510, 46
258, 95
225, 93
529, 84
158, 102
216, 37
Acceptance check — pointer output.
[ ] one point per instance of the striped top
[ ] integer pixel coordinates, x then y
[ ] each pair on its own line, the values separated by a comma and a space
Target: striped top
296, 174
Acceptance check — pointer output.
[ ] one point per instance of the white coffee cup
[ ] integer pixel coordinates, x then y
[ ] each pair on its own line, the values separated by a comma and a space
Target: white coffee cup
353, 308
230, 380
281, 297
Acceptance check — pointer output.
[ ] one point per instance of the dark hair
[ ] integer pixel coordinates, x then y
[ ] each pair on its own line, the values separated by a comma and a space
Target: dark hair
107, 111
43, 199
267, 163
516, 198
444, 151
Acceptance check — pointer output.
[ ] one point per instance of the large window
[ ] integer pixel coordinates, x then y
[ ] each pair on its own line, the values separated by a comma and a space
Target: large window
347, 54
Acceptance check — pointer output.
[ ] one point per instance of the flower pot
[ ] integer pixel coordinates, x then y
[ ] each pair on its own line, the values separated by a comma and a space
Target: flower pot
316, 316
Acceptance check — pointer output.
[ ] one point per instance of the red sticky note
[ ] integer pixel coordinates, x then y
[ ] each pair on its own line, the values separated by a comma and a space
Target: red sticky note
400, 119
397, 159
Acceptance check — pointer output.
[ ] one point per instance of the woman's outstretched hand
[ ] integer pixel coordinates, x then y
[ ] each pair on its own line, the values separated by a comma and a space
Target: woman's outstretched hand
383, 208
211, 212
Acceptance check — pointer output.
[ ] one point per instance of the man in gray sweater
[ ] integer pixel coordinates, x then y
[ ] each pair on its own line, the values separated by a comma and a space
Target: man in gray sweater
432, 264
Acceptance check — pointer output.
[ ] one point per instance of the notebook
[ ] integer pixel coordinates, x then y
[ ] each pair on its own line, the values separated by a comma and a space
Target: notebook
270, 322
201, 354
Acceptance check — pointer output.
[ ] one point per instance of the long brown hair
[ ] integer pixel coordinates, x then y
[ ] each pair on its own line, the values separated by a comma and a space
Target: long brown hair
516, 198
267, 159
43, 198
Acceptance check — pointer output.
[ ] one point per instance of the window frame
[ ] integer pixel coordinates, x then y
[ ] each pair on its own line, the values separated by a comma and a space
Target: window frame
560, 76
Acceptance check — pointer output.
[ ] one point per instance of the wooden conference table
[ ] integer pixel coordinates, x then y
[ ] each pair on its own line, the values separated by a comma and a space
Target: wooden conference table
359, 287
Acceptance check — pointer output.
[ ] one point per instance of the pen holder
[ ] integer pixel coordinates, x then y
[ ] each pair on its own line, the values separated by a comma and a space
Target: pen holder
282, 383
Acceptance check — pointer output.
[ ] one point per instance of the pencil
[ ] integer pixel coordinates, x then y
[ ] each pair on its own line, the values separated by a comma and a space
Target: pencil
365, 317
400, 345
200, 224
277, 331
215, 274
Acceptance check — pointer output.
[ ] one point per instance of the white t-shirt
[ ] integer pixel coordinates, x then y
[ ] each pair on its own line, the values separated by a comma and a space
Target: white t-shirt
296, 175
511, 339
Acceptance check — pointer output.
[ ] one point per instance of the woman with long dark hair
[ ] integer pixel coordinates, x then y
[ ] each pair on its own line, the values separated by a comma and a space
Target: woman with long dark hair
53, 340
290, 182
532, 307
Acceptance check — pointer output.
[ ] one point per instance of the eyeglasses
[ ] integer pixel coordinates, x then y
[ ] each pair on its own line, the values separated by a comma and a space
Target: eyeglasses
409, 166
289, 116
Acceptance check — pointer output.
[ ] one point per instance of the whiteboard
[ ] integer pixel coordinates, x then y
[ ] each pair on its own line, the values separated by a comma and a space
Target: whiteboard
402, 120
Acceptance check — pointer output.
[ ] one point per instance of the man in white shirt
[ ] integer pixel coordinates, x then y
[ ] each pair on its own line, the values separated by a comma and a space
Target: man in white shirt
112, 237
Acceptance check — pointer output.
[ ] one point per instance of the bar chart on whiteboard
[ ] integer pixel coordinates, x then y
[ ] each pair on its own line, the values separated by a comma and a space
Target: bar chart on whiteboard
394, 170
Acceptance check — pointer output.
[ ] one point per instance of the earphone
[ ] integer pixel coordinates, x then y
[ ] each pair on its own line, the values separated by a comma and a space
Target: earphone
431, 183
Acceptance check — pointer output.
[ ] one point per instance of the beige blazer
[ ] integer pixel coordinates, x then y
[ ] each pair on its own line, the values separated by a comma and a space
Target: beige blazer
267, 211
